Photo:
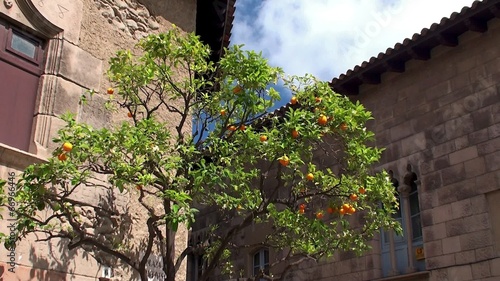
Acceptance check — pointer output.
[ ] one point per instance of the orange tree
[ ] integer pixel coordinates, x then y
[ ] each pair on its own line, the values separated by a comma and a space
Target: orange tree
305, 170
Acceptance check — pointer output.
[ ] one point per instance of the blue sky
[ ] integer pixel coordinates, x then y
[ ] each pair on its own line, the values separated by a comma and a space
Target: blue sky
328, 37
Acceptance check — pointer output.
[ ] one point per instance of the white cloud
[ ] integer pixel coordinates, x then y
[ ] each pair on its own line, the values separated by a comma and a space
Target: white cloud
328, 37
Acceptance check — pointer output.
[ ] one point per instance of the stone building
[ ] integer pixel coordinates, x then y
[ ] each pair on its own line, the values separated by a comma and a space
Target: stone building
436, 102
435, 98
53, 51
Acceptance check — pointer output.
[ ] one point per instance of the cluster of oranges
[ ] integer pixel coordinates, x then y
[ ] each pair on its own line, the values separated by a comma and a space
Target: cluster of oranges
345, 209
233, 128
67, 147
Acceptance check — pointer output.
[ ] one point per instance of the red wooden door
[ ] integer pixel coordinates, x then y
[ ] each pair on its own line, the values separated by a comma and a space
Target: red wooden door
21, 57
18, 90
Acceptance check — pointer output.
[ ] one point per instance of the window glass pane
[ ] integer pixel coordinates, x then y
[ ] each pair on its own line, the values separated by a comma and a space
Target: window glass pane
256, 259
414, 208
416, 227
23, 45
266, 257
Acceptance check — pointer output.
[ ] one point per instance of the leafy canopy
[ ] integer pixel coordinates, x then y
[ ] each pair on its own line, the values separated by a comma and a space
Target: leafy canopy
202, 134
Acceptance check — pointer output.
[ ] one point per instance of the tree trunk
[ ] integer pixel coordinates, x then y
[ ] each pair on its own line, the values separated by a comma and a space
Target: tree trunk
169, 263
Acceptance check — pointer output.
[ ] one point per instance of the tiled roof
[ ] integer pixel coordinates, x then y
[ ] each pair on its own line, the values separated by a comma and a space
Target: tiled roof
419, 47
214, 21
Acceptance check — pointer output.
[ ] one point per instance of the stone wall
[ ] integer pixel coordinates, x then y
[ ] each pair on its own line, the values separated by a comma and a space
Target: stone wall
443, 117
82, 35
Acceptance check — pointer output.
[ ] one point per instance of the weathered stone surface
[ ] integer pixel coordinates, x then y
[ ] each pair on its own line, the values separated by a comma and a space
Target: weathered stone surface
451, 245
66, 97
455, 227
481, 270
432, 181
94, 113
465, 257
463, 155
495, 267
475, 240
462, 208
433, 249
80, 67
434, 232
492, 161
478, 136
67, 16
440, 261
453, 174
460, 273
475, 167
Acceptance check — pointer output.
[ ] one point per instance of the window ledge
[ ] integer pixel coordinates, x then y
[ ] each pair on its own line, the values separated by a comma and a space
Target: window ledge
407, 277
15, 158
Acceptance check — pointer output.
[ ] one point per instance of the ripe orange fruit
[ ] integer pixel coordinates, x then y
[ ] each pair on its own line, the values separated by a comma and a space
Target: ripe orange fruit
342, 211
110, 91
362, 190
343, 127
263, 138
293, 100
353, 197
237, 89
331, 210
310, 177
318, 99
322, 120
302, 206
232, 128
346, 207
129, 114
284, 160
295, 134
319, 215
301, 211
351, 210
62, 157
243, 127
67, 146
223, 112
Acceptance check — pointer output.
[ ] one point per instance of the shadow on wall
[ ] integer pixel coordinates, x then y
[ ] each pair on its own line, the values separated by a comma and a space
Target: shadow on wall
179, 12
56, 265
62, 262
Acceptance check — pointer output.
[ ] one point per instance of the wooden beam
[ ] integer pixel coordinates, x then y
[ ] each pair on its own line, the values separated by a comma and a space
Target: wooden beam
476, 25
495, 10
370, 78
447, 40
394, 66
420, 53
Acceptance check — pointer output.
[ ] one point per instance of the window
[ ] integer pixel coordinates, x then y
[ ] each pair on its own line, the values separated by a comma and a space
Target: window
21, 64
261, 262
416, 225
23, 46
404, 252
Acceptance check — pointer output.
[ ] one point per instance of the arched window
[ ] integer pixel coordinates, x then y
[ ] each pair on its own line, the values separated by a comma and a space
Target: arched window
399, 255
260, 262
